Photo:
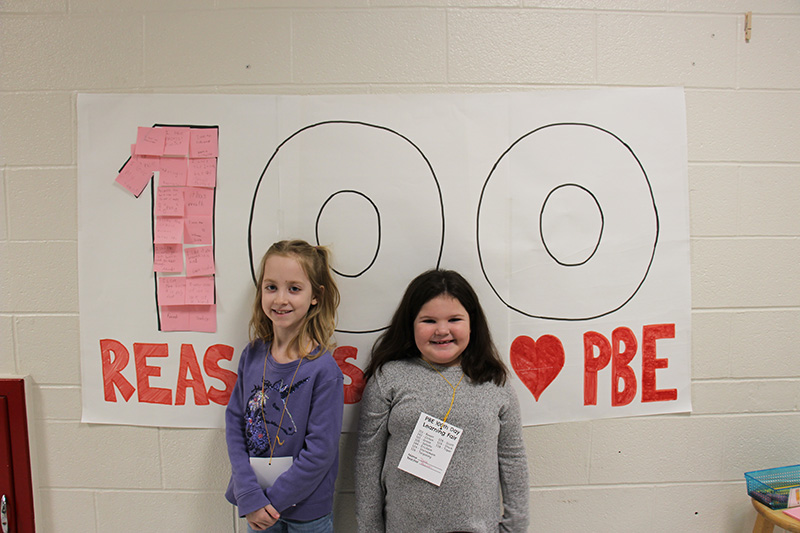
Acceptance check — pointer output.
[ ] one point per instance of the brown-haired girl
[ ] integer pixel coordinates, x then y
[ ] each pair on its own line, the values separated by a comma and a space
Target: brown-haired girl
434, 371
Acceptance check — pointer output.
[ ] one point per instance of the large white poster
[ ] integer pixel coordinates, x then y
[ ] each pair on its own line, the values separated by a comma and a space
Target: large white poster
566, 210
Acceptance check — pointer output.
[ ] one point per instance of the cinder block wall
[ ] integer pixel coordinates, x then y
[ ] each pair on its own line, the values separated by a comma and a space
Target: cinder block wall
665, 473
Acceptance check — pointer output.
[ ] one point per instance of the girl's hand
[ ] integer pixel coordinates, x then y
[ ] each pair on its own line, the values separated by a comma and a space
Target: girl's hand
263, 518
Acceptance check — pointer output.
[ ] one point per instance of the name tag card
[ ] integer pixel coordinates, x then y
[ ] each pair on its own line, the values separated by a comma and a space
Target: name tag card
269, 470
430, 448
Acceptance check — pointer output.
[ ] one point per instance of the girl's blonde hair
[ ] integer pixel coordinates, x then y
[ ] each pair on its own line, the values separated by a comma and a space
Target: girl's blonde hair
320, 320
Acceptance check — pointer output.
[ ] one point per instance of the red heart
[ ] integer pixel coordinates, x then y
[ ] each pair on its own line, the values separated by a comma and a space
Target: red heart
537, 363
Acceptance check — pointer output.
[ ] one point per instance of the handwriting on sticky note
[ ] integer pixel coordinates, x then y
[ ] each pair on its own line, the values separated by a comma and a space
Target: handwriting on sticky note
185, 160
135, 175
198, 230
174, 318
169, 230
203, 318
199, 261
171, 290
169, 202
168, 258
199, 201
202, 172
203, 142
172, 172
200, 291
176, 141
150, 141
149, 162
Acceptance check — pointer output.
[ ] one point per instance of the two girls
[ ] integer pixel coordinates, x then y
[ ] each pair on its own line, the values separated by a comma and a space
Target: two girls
435, 361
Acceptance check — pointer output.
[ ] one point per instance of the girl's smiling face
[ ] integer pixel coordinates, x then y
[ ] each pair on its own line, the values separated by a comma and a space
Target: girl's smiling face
441, 330
286, 294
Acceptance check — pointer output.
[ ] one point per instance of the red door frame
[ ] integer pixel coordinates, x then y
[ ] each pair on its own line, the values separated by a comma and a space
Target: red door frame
20, 510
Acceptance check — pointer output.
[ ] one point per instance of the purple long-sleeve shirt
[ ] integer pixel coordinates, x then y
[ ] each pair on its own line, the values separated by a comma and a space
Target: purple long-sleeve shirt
309, 432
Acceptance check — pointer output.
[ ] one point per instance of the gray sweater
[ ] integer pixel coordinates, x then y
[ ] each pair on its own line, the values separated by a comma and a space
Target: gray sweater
489, 458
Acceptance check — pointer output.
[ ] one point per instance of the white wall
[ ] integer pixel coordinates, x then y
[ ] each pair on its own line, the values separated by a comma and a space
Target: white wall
666, 473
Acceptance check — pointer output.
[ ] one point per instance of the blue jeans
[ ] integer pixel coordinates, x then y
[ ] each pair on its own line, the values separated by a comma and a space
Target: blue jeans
319, 525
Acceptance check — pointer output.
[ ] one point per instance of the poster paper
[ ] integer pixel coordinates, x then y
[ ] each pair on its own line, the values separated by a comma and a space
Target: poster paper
566, 210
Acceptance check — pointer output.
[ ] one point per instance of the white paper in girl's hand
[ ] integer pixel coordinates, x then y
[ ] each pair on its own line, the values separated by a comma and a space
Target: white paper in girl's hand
267, 473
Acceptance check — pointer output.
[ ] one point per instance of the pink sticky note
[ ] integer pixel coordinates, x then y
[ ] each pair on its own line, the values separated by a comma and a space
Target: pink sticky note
176, 141
203, 318
135, 175
794, 512
175, 318
203, 142
169, 202
199, 261
198, 230
150, 163
150, 141
173, 172
169, 230
199, 201
200, 291
167, 258
171, 290
202, 172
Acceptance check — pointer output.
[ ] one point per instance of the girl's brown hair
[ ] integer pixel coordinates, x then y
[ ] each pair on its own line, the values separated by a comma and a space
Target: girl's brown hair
480, 360
320, 321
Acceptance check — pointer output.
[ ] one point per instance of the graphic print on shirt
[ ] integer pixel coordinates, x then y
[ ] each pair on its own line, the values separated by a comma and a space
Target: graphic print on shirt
269, 406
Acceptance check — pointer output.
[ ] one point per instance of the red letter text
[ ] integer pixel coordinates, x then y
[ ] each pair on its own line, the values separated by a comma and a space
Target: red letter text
148, 394
112, 370
650, 334
592, 365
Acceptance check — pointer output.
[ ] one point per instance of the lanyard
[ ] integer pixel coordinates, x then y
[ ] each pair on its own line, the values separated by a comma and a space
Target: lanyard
453, 399
277, 441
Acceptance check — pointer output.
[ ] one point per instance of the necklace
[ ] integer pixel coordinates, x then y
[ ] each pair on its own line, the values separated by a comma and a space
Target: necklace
277, 441
455, 388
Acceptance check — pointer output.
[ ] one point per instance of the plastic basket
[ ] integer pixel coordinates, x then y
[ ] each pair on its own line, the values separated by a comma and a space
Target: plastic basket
773, 486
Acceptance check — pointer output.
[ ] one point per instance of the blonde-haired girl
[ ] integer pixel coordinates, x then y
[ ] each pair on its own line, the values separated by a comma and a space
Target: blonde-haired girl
288, 399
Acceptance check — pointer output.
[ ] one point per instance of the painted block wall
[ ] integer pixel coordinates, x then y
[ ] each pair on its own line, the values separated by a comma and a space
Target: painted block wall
657, 474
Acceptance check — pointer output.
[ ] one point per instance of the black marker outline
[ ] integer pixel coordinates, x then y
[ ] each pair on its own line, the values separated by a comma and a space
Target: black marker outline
350, 122
377, 213
478, 225
153, 220
599, 237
